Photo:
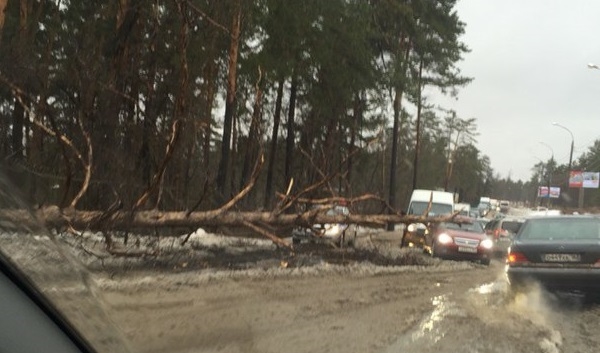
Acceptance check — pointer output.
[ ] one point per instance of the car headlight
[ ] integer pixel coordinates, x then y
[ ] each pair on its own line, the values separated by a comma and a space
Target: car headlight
332, 230
444, 239
487, 243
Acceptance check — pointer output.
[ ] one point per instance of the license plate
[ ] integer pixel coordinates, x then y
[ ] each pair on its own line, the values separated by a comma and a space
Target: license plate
562, 257
467, 249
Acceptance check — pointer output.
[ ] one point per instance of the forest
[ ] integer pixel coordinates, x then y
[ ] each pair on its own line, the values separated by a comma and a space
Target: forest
200, 105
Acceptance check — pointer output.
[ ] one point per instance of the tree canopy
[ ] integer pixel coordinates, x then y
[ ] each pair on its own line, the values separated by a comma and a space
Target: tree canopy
181, 104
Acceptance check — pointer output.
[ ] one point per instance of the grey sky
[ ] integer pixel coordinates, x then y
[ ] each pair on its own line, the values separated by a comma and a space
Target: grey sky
529, 63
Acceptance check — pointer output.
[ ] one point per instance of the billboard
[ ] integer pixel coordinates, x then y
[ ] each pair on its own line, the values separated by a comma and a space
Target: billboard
579, 179
576, 179
554, 192
591, 180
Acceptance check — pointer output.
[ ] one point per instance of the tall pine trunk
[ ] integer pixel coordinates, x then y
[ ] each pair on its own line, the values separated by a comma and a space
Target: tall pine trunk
274, 135
289, 144
230, 103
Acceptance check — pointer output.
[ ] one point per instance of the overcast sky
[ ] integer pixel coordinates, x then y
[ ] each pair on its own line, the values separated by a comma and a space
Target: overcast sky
529, 63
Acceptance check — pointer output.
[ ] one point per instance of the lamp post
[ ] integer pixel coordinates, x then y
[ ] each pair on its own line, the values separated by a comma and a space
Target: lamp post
572, 144
540, 181
570, 160
549, 170
581, 190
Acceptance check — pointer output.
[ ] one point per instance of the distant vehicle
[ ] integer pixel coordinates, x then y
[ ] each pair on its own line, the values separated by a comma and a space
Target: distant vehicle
502, 231
338, 233
463, 240
463, 209
558, 252
481, 220
495, 205
504, 206
474, 213
484, 206
427, 203
442, 202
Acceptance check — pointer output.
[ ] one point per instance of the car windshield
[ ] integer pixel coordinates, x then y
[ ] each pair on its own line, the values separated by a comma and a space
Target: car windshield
561, 229
419, 208
511, 226
474, 227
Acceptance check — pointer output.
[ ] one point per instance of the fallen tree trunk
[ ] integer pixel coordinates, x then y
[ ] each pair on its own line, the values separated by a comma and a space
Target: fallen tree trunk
53, 217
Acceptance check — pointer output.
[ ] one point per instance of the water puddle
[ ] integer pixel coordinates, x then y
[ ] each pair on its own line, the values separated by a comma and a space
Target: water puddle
431, 330
482, 320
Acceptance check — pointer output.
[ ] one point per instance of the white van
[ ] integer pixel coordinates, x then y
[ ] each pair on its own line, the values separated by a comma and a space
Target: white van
463, 209
484, 206
442, 202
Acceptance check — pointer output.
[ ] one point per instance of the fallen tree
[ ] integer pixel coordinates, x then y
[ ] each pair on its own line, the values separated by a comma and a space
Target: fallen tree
264, 223
56, 218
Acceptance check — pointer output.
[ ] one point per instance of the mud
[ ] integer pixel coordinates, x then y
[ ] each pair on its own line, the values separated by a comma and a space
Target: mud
376, 298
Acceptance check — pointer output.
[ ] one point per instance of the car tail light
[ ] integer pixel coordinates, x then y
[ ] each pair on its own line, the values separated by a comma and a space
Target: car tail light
515, 258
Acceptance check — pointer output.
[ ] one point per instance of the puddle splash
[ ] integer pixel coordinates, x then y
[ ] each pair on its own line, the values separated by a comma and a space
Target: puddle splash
430, 330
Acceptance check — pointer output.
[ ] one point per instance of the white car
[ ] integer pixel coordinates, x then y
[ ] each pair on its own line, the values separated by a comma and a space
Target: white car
337, 233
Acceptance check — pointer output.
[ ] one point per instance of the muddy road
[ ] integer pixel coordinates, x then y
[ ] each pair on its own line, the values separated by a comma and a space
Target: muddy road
443, 306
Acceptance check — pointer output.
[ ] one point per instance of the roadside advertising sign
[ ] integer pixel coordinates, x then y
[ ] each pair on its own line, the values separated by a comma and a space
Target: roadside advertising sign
576, 179
554, 192
591, 180
579, 179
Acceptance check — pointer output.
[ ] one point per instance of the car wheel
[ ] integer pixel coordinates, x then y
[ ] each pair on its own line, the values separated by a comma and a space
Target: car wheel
296, 241
341, 240
352, 241
485, 262
404, 241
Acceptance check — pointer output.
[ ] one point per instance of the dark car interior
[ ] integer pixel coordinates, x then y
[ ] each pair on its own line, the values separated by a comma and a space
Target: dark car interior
29, 323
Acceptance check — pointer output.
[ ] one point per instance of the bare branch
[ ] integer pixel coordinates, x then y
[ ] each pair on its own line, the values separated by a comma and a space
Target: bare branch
257, 167
55, 132
277, 240
206, 17
158, 177
86, 166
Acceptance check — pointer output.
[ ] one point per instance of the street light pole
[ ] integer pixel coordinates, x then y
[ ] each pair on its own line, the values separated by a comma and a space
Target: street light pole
572, 145
549, 171
581, 189
540, 181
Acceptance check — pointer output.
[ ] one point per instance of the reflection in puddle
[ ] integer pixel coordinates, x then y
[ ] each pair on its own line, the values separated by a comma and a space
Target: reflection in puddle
431, 329
482, 320
428, 326
485, 289
493, 293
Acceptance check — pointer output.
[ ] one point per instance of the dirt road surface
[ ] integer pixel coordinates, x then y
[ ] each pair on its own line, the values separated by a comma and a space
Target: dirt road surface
443, 306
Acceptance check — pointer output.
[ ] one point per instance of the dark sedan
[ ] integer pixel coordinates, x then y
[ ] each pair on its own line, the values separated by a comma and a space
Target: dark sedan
560, 253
